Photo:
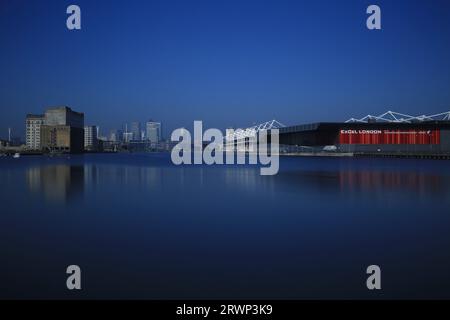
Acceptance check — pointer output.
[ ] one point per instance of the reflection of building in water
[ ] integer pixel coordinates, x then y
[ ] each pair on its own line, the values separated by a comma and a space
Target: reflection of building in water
419, 182
374, 184
144, 178
58, 183
246, 179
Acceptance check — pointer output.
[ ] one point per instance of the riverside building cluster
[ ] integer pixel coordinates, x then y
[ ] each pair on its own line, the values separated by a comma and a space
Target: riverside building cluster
62, 130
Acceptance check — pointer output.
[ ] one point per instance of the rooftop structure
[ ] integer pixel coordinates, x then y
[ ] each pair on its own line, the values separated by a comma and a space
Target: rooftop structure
392, 116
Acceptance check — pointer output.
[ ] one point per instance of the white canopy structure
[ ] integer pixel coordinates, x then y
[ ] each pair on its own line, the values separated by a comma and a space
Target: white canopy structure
240, 134
392, 116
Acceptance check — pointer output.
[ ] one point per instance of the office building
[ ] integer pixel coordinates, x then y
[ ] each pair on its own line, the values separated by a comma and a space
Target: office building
136, 130
127, 137
112, 136
153, 131
116, 135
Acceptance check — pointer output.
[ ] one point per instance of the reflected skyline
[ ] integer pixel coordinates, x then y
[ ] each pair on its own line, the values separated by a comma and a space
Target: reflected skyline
165, 227
59, 183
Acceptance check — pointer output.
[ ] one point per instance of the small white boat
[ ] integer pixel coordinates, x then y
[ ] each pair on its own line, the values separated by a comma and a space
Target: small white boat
16, 155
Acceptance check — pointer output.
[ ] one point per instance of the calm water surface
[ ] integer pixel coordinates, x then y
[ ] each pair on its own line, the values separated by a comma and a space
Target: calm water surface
140, 227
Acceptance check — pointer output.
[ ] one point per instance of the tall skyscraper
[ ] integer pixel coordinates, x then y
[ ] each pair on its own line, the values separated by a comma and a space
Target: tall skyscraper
127, 137
153, 130
90, 138
33, 131
112, 136
119, 135
136, 130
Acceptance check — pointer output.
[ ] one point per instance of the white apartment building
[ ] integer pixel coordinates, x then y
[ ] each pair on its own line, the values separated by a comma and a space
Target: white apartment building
90, 138
33, 131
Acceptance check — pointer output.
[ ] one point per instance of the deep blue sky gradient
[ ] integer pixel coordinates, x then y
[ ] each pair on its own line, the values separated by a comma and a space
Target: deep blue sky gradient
228, 63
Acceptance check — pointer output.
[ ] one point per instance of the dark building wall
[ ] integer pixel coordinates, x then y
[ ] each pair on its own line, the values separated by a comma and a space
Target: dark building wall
310, 138
445, 139
76, 140
315, 134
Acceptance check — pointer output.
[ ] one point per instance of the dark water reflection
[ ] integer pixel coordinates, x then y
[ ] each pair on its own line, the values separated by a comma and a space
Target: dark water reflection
58, 183
376, 183
140, 227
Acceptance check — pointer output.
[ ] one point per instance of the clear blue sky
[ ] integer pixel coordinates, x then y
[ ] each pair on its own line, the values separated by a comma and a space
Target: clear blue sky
228, 63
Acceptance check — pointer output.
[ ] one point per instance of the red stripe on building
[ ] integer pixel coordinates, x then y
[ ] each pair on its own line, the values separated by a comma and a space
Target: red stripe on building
358, 136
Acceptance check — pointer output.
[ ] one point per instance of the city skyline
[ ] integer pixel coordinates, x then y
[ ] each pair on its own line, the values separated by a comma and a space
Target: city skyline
223, 158
230, 64
101, 132
63, 130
